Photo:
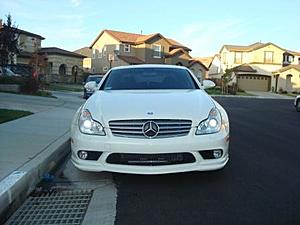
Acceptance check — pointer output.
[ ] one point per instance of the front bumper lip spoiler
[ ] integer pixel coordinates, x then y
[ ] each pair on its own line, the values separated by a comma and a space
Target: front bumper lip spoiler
148, 170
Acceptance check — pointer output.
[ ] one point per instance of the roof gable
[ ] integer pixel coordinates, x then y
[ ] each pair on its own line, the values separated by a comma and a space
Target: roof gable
249, 48
286, 68
132, 38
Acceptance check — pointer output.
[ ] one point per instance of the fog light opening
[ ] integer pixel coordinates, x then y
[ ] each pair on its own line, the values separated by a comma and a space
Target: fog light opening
217, 153
82, 155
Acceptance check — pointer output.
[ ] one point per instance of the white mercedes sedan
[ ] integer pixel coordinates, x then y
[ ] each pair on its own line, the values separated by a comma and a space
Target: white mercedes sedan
150, 119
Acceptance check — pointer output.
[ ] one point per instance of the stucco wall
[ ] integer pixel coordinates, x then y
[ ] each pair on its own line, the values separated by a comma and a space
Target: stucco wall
258, 55
295, 80
28, 43
149, 50
69, 61
199, 71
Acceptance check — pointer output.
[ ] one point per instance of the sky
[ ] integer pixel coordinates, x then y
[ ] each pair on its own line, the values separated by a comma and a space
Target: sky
202, 25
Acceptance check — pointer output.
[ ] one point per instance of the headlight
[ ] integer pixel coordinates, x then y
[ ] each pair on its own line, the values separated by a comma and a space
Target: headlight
90, 89
89, 126
210, 125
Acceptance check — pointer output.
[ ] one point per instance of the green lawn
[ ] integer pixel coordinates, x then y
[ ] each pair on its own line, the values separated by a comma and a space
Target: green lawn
64, 87
218, 91
8, 115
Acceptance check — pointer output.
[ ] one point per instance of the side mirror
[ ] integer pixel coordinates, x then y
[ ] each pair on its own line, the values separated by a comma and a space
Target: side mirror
91, 86
208, 84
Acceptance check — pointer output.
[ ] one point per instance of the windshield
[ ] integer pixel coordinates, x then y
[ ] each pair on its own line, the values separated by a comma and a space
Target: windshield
94, 78
149, 78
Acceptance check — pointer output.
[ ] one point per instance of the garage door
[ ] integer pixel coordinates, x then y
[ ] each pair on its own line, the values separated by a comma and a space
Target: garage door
254, 83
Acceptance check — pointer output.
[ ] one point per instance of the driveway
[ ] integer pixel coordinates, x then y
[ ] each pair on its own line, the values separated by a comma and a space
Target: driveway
37, 104
269, 95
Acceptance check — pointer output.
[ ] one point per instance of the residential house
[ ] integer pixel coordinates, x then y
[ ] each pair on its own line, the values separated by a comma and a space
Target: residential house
115, 48
87, 61
28, 44
63, 66
261, 66
215, 69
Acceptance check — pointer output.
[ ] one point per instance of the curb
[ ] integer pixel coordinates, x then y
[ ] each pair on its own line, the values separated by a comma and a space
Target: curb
15, 188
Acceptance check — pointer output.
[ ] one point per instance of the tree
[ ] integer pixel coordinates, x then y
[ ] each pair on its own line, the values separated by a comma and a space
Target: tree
226, 79
9, 47
39, 63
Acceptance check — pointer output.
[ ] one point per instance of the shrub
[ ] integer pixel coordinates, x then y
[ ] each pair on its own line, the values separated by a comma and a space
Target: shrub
30, 86
12, 80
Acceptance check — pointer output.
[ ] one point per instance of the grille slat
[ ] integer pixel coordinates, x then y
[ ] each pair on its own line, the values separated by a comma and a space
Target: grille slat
173, 131
134, 128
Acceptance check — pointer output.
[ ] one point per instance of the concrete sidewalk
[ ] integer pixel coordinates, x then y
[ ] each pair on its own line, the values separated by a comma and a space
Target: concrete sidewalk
32, 145
270, 95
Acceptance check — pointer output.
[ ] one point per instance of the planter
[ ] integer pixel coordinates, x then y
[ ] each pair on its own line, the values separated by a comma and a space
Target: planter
15, 88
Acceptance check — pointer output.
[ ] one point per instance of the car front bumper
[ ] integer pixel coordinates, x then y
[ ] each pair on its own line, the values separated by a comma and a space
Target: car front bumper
187, 144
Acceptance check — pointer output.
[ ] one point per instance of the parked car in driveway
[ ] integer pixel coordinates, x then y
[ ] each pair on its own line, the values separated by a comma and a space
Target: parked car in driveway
150, 119
297, 103
4, 71
87, 89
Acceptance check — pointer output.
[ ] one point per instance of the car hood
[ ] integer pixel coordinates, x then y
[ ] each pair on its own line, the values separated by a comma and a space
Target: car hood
168, 104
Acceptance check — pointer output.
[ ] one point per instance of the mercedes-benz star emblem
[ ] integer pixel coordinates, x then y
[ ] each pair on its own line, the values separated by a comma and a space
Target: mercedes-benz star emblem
150, 129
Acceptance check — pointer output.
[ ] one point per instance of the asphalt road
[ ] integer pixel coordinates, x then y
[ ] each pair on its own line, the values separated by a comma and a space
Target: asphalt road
259, 186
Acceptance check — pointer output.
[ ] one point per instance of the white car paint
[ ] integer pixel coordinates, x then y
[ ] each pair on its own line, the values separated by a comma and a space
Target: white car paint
297, 103
193, 105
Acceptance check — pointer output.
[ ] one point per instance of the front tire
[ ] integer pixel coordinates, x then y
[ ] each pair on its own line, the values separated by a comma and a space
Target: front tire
298, 106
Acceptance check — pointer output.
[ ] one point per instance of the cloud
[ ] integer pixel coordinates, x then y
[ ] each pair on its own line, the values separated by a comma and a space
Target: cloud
75, 3
207, 38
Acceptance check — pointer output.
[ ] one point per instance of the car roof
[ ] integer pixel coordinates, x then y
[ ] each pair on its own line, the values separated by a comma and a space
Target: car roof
96, 75
149, 66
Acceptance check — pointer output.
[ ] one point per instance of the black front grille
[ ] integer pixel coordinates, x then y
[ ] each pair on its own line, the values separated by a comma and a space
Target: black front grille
150, 159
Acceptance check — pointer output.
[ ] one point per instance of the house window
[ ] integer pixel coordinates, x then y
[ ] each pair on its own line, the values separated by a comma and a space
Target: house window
100, 53
126, 48
117, 47
290, 58
268, 57
299, 60
238, 57
105, 68
94, 53
156, 51
104, 51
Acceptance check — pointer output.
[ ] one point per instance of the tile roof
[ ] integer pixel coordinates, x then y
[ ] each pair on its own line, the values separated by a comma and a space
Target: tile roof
244, 68
177, 44
245, 48
133, 38
173, 52
193, 61
86, 51
285, 68
132, 60
25, 32
206, 60
293, 52
254, 46
59, 51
